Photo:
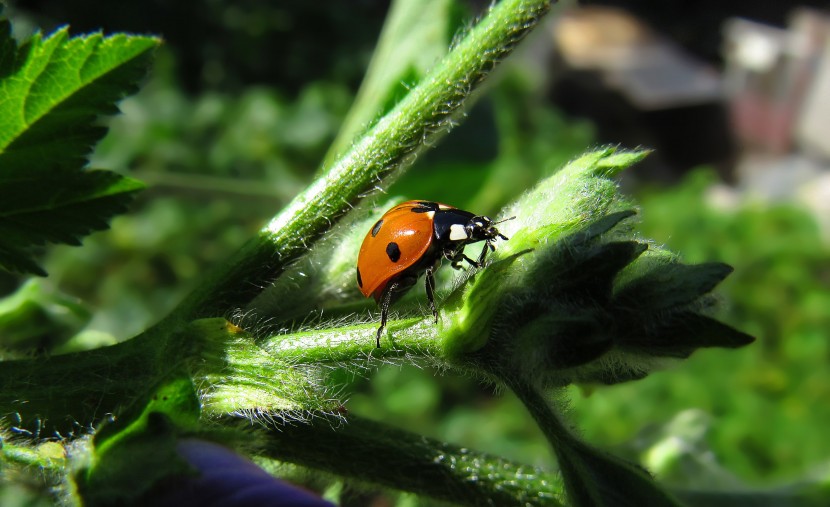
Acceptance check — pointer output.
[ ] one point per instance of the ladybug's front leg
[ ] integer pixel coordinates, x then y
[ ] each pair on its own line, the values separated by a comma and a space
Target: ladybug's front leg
487, 246
385, 301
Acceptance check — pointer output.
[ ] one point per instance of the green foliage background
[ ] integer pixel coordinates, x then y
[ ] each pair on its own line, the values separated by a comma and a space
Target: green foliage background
219, 161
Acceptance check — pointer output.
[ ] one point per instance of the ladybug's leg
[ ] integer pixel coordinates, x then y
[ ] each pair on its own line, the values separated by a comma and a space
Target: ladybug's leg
487, 246
430, 285
456, 258
385, 301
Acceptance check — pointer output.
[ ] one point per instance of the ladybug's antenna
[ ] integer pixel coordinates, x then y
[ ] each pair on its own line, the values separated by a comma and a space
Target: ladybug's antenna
500, 235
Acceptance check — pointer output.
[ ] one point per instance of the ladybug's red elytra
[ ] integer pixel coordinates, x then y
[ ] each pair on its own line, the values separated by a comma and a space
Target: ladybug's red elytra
412, 238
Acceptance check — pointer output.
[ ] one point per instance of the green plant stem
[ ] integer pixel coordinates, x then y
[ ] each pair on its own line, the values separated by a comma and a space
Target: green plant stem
392, 144
549, 421
414, 36
414, 337
592, 477
373, 452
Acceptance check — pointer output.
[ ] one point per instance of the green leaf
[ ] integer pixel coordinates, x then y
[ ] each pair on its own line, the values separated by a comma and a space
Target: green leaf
59, 209
602, 226
16, 259
52, 91
69, 207
616, 162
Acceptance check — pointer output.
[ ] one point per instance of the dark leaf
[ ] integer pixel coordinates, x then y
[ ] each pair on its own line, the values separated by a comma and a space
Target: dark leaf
60, 209
671, 285
684, 332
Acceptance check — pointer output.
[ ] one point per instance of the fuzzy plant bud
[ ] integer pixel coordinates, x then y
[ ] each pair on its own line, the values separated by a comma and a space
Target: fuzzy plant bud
574, 295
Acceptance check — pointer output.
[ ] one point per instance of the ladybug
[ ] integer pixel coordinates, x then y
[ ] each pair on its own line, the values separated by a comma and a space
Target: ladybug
411, 239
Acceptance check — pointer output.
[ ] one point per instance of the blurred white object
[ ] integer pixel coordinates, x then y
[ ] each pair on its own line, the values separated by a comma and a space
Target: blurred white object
650, 71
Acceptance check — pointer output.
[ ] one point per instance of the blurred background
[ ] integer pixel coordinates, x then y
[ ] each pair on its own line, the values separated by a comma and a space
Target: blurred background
246, 97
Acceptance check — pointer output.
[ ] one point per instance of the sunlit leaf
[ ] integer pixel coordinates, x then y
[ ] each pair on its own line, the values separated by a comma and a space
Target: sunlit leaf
52, 91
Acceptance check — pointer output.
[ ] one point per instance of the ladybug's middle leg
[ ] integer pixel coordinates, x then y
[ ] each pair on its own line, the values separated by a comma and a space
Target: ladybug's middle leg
429, 281
457, 257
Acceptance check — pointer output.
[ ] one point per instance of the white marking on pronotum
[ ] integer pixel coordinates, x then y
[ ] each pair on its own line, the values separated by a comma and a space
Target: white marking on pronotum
457, 232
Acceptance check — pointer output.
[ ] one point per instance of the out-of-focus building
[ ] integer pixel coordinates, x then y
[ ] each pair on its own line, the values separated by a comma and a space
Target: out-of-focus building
640, 89
763, 120
778, 84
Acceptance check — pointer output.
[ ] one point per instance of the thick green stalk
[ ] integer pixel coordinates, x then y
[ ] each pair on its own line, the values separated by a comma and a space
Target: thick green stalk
376, 453
425, 114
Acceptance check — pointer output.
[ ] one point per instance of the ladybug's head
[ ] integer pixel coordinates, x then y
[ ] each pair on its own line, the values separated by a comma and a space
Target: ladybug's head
481, 228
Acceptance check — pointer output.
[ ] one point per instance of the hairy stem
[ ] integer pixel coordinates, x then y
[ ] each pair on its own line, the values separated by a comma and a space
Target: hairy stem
591, 476
376, 453
392, 144
549, 421
408, 337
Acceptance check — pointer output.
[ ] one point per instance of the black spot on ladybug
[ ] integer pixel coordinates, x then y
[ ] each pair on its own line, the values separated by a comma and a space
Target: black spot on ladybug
359, 280
393, 251
376, 228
